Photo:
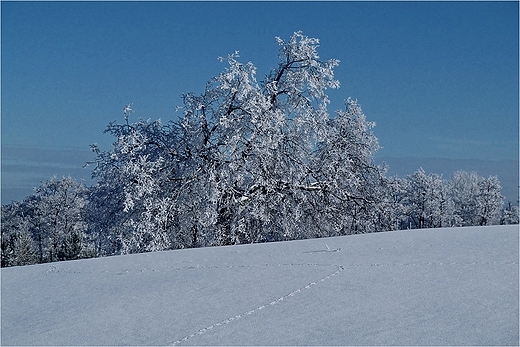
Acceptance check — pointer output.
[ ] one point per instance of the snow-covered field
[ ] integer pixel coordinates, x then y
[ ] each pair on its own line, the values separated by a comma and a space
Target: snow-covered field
418, 287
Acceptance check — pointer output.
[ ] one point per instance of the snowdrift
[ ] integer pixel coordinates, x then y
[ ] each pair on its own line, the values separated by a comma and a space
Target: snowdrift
420, 287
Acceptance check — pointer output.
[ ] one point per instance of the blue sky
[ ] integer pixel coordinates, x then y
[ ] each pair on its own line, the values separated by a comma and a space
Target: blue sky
440, 79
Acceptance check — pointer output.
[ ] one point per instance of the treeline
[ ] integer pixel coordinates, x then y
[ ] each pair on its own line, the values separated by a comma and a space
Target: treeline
63, 220
248, 161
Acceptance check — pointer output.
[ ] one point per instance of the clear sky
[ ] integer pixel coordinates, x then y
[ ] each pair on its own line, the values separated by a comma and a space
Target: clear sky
440, 79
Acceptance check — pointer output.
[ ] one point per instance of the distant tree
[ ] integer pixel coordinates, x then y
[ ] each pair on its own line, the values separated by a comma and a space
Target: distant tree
58, 219
392, 209
489, 201
511, 214
428, 202
477, 200
18, 247
464, 188
49, 225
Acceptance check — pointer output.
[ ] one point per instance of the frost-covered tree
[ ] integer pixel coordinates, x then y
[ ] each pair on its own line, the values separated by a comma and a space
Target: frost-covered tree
464, 190
49, 225
489, 201
251, 144
429, 204
18, 247
477, 200
510, 214
248, 161
134, 181
392, 209
58, 219
350, 181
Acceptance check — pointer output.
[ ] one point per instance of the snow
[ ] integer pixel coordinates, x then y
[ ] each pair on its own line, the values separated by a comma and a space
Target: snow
455, 286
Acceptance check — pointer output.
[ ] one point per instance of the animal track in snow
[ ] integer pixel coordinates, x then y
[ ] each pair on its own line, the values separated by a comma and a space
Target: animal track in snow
55, 270
340, 268
250, 312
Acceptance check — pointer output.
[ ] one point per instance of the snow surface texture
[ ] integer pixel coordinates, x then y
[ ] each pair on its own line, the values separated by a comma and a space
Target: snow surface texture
419, 287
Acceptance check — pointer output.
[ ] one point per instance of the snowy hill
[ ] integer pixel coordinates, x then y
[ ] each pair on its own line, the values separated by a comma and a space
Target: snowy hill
418, 287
